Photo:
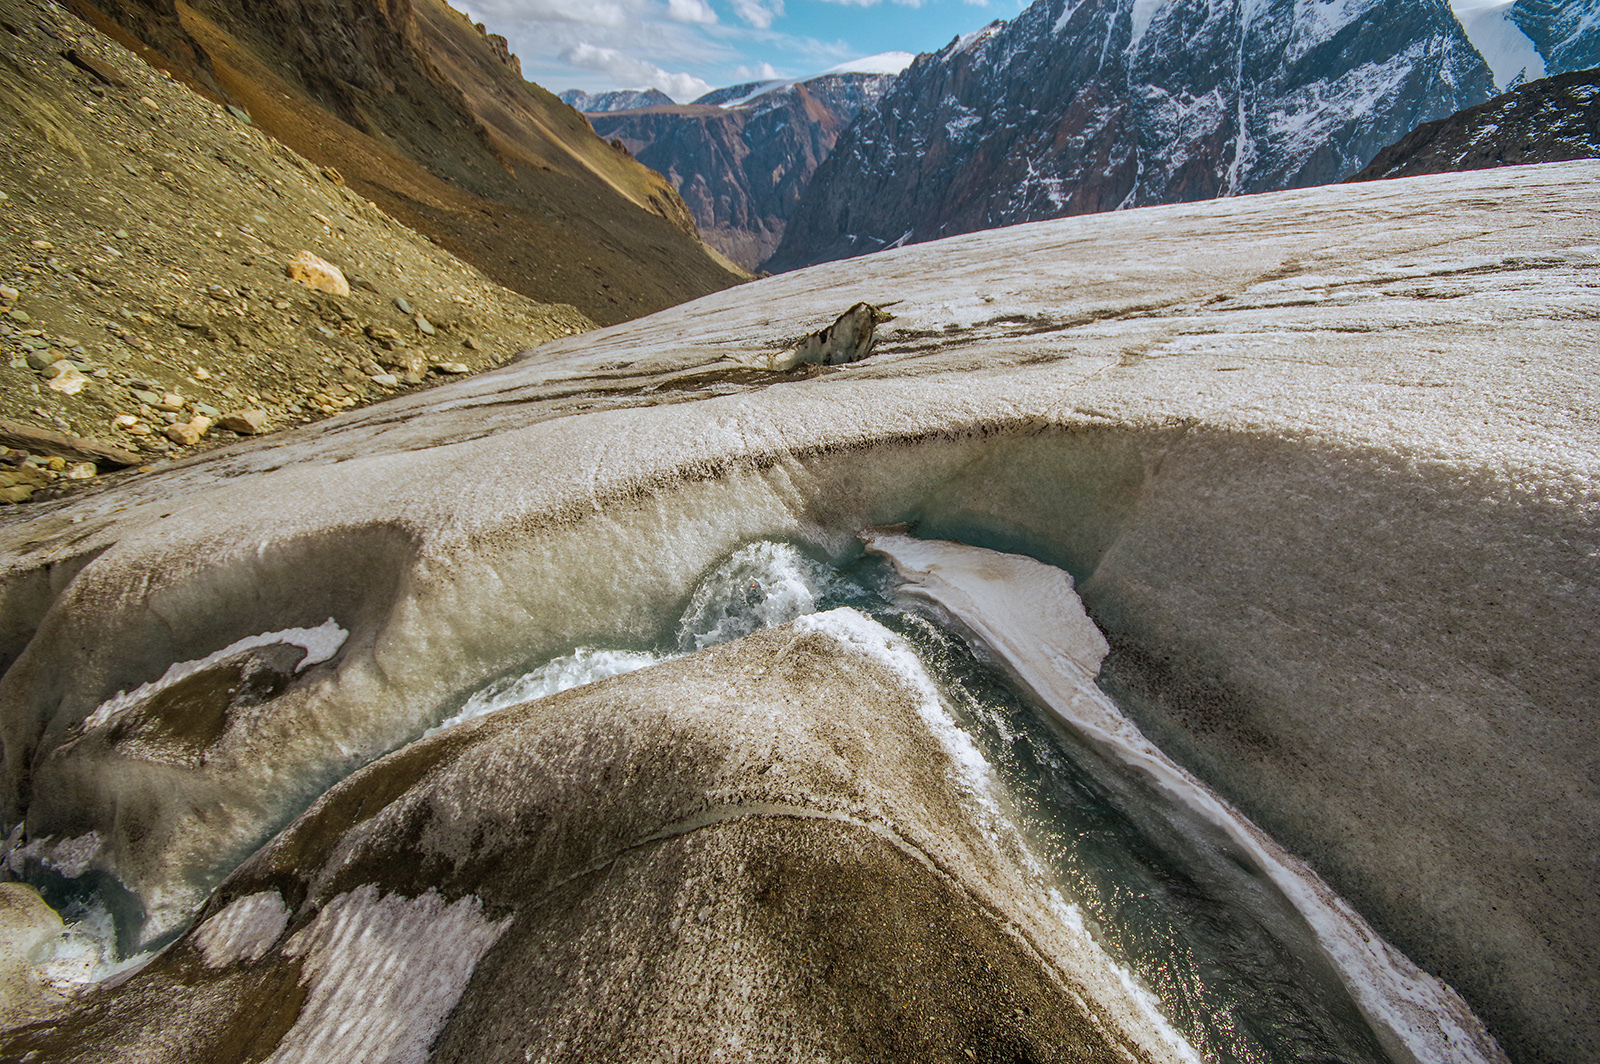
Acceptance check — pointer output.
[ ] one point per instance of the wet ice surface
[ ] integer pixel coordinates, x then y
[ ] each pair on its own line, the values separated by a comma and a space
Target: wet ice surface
1334, 450
1226, 960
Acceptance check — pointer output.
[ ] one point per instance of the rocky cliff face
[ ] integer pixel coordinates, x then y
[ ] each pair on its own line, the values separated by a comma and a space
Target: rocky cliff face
741, 168
1566, 32
620, 100
1079, 106
429, 116
1548, 121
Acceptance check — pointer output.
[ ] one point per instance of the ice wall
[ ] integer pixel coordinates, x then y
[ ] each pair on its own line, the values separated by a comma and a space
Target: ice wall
1323, 462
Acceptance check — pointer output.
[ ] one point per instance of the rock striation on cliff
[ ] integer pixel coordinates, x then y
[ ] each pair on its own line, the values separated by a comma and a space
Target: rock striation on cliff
741, 157
1566, 32
1081, 106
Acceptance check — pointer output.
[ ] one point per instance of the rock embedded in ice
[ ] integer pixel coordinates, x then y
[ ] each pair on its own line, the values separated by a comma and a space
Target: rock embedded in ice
768, 845
1323, 464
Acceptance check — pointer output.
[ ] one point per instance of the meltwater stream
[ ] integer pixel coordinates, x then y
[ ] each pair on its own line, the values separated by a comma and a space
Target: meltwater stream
1229, 970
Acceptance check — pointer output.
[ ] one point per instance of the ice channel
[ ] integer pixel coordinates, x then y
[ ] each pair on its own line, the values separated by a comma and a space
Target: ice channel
1240, 948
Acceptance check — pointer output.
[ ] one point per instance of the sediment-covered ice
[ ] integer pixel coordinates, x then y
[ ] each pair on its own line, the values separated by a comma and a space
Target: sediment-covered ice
1028, 614
1324, 464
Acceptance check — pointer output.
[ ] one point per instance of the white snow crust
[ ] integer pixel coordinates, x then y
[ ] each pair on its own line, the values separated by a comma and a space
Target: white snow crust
244, 930
382, 974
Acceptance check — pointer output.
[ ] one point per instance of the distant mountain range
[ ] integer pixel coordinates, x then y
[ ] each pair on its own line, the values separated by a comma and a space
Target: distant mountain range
741, 156
1078, 106
617, 100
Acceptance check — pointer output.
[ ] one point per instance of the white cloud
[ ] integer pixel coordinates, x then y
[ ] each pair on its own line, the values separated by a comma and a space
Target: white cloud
875, 3
691, 11
759, 72
635, 73
759, 13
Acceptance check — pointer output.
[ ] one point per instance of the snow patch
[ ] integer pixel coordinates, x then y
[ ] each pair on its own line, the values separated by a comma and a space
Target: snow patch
382, 973
882, 63
319, 643
1508, 51
244, 930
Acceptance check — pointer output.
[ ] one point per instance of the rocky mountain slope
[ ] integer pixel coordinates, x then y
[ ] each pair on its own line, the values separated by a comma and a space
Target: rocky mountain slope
619, 100
1077, 107
1566, 32
144, 286
1545, 121
429, 117
1204, 428
741, 156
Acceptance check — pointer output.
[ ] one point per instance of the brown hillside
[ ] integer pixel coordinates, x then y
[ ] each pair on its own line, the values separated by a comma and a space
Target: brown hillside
430, 118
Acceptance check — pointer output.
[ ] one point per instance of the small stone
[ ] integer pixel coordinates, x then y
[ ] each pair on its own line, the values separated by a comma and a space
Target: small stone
239, 114
80, 470
149, 398
55, 464
386, 380
122, 421
15, 494
148, 102
68, 381
219, 293
39, 360
401, 305
370, 368
9, 294
246, 422
317, 274
207, 410
121, 234
382, 333
187, 433
470, 344
201, 373
42, 245
424, 326
21, 317
138, 429
452, 367
171, 401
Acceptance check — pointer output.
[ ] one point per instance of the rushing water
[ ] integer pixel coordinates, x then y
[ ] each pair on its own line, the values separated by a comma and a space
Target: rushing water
1232, 970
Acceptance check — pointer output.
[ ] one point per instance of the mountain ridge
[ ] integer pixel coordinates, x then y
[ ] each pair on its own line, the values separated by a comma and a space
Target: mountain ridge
1077, 107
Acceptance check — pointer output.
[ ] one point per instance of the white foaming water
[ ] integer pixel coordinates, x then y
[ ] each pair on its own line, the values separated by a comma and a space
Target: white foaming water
761, 585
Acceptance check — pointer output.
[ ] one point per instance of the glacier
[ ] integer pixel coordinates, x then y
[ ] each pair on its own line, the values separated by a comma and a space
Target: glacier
1322, 465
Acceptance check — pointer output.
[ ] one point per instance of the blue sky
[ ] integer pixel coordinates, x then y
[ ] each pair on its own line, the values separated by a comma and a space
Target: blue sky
686, 47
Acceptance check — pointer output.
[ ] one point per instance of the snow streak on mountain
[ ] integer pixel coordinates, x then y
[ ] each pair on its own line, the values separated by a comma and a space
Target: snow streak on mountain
1079, 106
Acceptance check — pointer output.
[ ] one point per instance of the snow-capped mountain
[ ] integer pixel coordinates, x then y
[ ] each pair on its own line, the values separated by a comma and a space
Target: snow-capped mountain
1566, 32
1079, 106
616, 100
1546, 121
742, 155
1510, 53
